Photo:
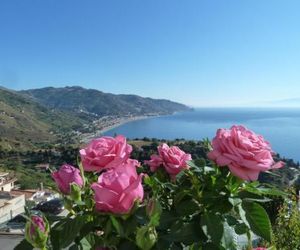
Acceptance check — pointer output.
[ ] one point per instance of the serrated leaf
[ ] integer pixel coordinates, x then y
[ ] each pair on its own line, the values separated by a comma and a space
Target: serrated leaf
63, 234
229, 239
258, 220
212, 227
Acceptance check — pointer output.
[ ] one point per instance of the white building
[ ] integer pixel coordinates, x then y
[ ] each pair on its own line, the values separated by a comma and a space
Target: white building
7, 183
10, 206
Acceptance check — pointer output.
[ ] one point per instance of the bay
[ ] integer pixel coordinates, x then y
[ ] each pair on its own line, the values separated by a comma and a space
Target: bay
280, 126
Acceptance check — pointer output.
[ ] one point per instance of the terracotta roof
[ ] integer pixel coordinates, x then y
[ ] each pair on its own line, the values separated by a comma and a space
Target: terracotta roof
28, 193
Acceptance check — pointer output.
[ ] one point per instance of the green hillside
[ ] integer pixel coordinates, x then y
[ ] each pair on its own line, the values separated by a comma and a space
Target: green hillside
25, 123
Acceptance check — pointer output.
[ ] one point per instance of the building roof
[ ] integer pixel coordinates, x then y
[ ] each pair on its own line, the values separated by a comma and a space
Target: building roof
5, 182
28, 193
3, 174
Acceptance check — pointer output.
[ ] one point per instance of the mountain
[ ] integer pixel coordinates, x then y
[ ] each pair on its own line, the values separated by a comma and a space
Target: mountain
25, 123
37, 117
94, 102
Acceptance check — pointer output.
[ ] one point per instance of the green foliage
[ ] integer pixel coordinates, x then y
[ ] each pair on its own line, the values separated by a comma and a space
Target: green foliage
287, 226
204, 207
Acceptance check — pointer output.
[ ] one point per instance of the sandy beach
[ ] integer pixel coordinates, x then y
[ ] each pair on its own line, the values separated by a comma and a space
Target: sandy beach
105, 124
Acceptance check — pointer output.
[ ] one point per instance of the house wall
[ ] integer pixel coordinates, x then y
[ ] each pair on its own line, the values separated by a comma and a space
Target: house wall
7, 187
11, 208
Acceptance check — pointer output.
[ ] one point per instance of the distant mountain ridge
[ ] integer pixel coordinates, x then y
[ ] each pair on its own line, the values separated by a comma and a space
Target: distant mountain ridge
91, 101
32, 118
24, 122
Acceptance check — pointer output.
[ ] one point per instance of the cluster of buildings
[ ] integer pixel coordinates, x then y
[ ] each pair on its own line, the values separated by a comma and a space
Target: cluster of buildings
13, 200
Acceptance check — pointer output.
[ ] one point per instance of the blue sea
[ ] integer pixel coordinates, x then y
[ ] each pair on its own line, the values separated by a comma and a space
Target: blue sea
281, 127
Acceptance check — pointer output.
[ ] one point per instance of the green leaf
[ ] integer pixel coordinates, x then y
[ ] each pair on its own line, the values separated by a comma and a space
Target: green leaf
264, 190
75, 193
229, 239
146, 237
187, 233
74, 247
241, 228
167, 218
212, 226
154, 211
85, 244
187, 207
24, 245
126, 245
258, 220
117, 225
64, 233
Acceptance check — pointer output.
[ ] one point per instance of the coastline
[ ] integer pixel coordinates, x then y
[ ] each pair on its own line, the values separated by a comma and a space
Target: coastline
124, 121
114, 123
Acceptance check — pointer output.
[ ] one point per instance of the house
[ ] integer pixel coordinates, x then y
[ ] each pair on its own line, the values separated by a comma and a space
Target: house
10, 206
7, 182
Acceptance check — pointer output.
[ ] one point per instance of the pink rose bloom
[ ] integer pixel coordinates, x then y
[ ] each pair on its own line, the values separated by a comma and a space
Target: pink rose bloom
117, 189
105, 152
245, 153
65, 176
173, 159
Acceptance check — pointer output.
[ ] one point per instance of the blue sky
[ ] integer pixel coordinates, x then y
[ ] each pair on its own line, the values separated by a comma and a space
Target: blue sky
202, 53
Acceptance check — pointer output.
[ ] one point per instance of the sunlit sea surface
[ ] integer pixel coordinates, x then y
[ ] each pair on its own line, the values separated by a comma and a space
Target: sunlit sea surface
281, 127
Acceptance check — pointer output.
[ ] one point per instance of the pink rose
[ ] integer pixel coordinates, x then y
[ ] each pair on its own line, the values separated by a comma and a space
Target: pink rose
245, 153
65, 176
37, 230
117, 189
37, 222
172, 158
105, 152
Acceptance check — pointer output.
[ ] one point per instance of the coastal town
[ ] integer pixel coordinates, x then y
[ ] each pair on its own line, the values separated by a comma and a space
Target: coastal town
13, 201
106, 123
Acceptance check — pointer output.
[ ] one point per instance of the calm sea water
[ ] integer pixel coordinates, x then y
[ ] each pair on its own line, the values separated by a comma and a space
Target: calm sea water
281, 127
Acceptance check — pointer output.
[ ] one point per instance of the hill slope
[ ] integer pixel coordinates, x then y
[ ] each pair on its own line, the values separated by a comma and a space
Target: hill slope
24, 123
94, 102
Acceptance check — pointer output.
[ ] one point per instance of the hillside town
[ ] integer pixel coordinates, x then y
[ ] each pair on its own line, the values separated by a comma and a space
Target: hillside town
13, 201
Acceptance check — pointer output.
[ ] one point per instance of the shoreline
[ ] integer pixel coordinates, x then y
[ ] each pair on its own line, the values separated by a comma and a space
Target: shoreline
124, 121
115, 123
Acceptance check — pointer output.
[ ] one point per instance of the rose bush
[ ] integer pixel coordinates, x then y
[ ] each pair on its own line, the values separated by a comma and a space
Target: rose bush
114, 202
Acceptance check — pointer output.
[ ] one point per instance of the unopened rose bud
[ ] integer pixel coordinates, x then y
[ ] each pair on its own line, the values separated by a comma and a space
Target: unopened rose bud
36, 231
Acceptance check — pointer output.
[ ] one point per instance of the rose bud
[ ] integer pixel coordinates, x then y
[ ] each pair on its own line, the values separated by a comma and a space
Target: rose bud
36, 231
66, 176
